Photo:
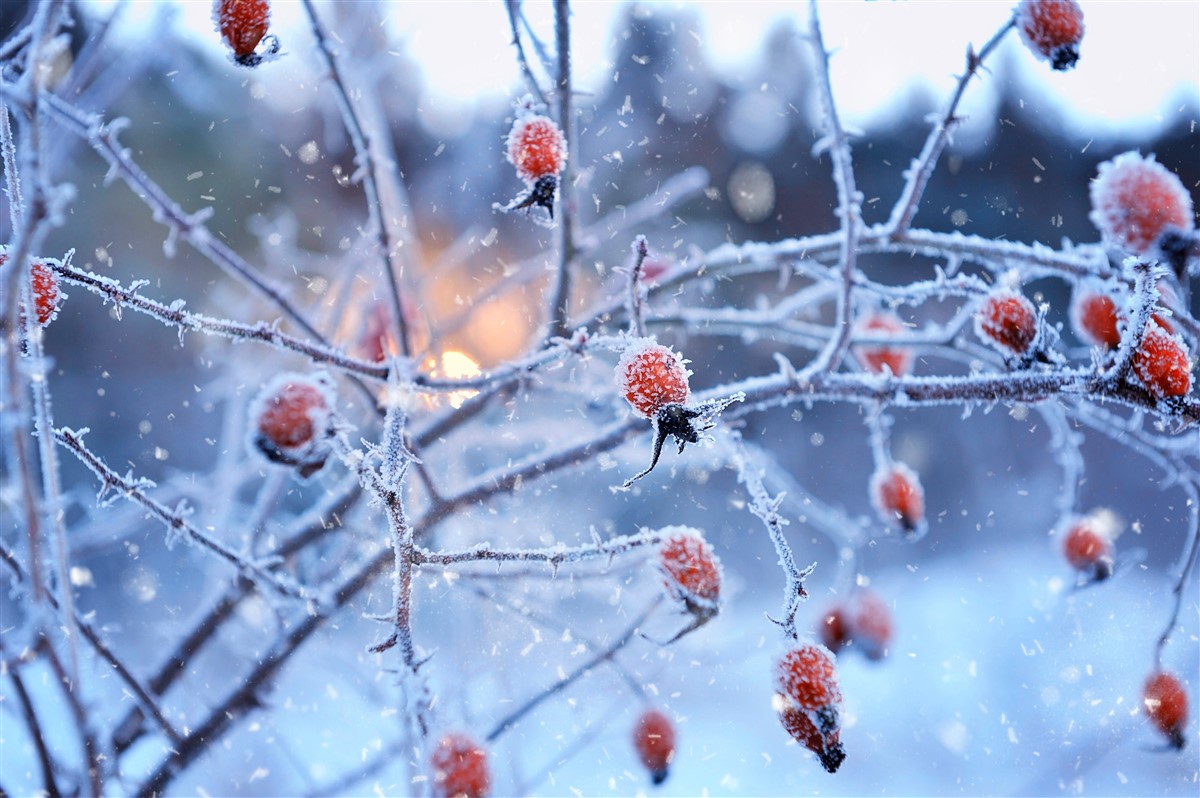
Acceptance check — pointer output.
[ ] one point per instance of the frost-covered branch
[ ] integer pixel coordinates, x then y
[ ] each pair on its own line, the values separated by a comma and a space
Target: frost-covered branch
766, 508
918, 174
554, 556
560, 303
633, 306
175, 520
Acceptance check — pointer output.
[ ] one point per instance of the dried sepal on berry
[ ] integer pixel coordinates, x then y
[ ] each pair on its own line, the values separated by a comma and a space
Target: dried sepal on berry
808, 700
292, 421
243, 25
460, 768
1162, 363
876, 358
1166, 705
1008, 321
898, 497
654, 741
537, 149
654, 380
1052, 30
1141, 207
1088, 541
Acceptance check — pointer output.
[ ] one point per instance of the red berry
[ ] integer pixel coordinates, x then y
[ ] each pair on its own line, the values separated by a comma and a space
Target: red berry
1162, 364
1052, 30
243, 24
834, 629
460, 768
651, 376
1136, 201
690, 567
654, 739
1166, 705
875, 358
536, 147
898, 497
1094, 317
292, 420
655, 266
1088, 544
1008, 321
809, 701
46, 296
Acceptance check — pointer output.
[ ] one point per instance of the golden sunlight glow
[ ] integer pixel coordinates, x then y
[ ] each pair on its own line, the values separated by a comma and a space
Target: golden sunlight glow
457, 365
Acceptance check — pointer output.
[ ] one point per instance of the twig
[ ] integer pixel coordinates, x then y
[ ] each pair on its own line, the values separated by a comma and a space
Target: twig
514, 12
36, 735
917, 176
1187, 567
849, 204
560, 304
369, 170
553, 555
766, 508
633, 303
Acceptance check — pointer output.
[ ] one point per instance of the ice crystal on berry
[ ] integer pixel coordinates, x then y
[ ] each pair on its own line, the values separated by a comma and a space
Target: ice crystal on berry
460, 768
691, 569
1162, 363
808, 699
1008, 321
1136, 201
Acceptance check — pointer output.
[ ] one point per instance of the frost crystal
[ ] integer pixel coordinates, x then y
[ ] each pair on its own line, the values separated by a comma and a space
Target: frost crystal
650, 375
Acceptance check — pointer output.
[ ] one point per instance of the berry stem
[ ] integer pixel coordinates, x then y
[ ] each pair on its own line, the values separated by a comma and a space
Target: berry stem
1141, 309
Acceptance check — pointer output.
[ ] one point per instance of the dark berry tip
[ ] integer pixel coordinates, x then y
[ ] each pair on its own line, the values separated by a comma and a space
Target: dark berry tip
833, 757
1064, 58
659, 776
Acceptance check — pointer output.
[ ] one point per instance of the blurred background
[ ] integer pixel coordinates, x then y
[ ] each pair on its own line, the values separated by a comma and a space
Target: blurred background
1002, 679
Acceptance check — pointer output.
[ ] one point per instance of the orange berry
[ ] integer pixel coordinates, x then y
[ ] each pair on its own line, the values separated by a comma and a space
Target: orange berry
1166, 705
1162, 364
243, 24
898, 497
809, 702
536, 147
1136, 201
690, 566
1008, 321
1094, 317
652, 376
875, 358
654, 739
292, 420
460, 768
1052, 30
